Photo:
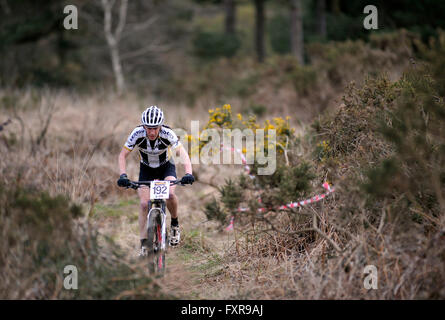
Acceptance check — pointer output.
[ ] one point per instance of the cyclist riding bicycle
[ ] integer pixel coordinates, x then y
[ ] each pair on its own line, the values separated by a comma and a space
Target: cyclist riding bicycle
155, 142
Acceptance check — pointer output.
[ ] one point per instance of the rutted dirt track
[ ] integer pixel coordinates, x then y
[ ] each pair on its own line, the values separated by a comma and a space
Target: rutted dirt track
193, 268
189, 274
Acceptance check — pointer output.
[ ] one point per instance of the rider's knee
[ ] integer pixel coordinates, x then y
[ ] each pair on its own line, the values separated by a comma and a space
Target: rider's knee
144, 205
171, 196
171, 193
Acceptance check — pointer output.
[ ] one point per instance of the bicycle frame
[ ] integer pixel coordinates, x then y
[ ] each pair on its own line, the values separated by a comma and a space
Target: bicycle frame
156, 205
156, 216
159, 207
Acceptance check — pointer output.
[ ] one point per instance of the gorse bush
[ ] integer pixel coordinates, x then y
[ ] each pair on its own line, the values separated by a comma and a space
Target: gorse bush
384, 151
388, 139
287, 184
350, 138
222, 118
416, 169
231, 194
213, 211
43, 234
290, 181
285, 86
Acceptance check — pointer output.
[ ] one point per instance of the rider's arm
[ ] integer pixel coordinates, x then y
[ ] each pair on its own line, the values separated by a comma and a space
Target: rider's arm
122, 160
132, 139
185, 159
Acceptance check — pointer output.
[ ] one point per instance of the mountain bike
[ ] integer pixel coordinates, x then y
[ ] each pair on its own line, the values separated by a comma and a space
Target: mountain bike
157, 233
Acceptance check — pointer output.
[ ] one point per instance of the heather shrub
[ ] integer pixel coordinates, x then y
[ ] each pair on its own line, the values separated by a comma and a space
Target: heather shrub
383, 149
42, 234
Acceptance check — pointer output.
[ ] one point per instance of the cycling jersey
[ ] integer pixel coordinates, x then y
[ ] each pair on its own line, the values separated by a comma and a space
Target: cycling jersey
153, 153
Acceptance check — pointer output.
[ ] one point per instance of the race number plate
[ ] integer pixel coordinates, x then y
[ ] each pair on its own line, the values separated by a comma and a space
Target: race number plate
159, 189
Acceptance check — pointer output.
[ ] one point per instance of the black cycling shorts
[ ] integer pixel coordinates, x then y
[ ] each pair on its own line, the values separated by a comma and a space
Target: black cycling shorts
147, 174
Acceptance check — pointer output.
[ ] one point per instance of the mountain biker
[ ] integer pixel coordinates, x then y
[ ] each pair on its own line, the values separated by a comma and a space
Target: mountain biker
155, 142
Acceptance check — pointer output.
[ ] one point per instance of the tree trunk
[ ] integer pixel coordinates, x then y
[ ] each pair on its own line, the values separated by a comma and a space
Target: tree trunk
117, 69
230, 21
259, 29
321, 18
336, 7
5, 6
113, 39
296, 26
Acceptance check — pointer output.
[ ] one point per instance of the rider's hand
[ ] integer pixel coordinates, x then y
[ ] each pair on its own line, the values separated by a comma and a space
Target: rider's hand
123, 181
187, 179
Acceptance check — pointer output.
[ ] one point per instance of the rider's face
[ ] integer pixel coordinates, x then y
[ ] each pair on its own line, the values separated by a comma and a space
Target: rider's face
152, 133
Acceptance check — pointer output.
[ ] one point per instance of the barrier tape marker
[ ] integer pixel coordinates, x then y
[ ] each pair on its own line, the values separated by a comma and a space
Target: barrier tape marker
290, 205
243, 159
284, 206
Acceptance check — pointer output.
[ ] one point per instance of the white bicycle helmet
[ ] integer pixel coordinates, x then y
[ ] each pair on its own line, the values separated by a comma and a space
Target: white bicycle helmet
152, 117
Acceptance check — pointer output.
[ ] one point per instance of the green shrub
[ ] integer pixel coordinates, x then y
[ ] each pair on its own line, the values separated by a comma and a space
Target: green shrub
231, 195
303, 78
287, 184
258, 109
279, 33
213, 211
388, 140
211, 45
414, 128
243, 87
42, 234
351, 135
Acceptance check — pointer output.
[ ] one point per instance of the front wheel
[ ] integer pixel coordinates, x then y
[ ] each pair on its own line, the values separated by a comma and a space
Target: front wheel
152, 226
156, 255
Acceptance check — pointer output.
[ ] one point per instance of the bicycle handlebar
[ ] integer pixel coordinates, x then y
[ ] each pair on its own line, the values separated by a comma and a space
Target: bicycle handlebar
137, 184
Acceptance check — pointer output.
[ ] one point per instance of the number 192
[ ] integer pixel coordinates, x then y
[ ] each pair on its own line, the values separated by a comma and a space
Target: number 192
160, 189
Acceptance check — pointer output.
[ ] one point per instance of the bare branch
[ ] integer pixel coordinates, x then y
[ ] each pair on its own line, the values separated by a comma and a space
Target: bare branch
321, 233
274, 228
122, 19
382, 219
153, 47
107, 6
136, 27
5, 6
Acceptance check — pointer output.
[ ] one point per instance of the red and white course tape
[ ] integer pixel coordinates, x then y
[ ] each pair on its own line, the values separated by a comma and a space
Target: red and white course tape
284, 206
243, 158
290, 205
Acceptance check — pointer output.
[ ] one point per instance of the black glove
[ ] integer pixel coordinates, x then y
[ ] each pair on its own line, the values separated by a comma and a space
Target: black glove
123, 181
187, 179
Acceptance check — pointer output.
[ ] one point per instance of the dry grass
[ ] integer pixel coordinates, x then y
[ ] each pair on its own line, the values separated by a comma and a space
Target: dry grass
395, 223
67, 144
270, 265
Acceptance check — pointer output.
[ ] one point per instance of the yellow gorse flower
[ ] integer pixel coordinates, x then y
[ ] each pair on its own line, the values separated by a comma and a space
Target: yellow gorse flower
221, 118
324, 148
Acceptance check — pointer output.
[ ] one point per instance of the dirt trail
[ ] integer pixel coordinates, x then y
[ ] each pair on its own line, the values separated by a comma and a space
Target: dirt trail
194, 274
192, 267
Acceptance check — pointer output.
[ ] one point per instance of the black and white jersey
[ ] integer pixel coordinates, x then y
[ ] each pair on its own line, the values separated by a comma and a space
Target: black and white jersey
153, 153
